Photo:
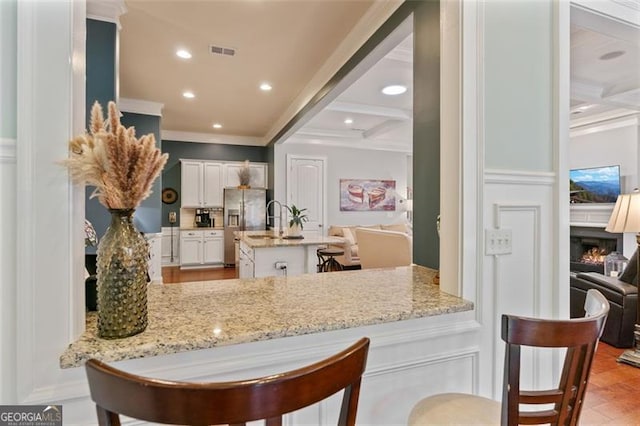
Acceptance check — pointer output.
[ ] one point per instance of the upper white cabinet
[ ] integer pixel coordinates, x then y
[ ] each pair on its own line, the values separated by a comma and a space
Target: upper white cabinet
191, 186
213, 185
258, 174
201, 184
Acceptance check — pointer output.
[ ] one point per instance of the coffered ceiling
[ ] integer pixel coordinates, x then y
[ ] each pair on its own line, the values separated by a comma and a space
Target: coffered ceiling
605, 68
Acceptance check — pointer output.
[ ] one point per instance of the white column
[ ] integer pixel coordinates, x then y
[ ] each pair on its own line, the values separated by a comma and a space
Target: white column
8, 197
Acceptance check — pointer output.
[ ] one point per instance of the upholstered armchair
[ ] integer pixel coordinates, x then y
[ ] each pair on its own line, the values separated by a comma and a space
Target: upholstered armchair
383, 249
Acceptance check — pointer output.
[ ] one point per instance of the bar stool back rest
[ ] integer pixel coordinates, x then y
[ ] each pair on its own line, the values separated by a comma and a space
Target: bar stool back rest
580, 337
117, 392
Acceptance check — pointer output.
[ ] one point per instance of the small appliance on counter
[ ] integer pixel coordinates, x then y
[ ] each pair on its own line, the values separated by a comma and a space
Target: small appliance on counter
203, 218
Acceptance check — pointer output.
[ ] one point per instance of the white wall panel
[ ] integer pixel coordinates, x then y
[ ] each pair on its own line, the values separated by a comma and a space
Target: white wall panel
520, 283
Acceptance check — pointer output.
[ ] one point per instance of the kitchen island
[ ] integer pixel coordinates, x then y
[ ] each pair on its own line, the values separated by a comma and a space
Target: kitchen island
422, 339
265, 254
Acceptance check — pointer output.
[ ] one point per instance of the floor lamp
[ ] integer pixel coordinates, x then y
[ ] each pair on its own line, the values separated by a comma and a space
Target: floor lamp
626, 218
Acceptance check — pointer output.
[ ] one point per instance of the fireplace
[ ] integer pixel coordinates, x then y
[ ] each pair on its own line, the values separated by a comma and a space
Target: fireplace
589, 246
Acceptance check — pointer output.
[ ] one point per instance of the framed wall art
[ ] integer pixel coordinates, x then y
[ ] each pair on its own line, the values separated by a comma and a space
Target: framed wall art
367, 195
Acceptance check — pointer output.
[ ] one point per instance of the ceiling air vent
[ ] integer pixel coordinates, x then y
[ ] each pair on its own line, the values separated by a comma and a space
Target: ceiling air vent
219, 50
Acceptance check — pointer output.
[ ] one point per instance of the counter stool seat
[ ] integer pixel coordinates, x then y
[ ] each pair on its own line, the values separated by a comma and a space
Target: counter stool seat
329, 263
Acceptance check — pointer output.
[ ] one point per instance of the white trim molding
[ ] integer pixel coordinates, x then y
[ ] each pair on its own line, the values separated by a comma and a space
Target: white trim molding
615, 122
7, 150
174, 135
106, 10
519, 177
138, 106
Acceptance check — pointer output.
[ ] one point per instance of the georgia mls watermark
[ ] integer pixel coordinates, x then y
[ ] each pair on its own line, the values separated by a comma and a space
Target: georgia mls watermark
30, 415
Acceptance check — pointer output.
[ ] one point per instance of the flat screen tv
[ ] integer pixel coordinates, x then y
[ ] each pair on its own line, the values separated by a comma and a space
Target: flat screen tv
595, 185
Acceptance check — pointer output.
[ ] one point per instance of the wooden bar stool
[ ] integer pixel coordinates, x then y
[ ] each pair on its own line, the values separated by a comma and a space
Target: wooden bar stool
330, 263
117, 392
579, 336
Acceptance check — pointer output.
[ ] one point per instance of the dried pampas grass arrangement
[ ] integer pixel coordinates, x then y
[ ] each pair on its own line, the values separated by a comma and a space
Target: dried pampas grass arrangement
110, 158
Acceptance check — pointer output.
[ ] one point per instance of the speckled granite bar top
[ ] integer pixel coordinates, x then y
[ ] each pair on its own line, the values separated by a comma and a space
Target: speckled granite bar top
265, 239
200, 315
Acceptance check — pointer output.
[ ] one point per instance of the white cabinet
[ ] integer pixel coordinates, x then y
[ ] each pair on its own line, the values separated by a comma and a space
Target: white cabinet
201, 184
213, 247
213, 188
190, 248
155, 249
246, 266
258, 174
201, 247
191, 186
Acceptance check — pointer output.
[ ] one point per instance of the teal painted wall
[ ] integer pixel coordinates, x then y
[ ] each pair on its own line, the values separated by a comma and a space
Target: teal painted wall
270, 158
8, 67
100, 86
101, 64
147, 217
426, 133
171, 177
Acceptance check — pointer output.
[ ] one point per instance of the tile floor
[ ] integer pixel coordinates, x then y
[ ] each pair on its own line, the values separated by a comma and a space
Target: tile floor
613, 393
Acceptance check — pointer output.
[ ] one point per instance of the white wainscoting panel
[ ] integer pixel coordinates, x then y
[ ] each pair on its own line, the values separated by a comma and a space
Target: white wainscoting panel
520, 282
169, 234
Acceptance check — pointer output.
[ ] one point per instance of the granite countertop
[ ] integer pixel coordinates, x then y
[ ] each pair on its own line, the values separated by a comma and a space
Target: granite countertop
265, 239
200, 315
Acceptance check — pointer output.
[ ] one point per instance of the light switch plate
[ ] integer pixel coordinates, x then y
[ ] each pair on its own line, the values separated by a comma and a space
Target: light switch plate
498, 241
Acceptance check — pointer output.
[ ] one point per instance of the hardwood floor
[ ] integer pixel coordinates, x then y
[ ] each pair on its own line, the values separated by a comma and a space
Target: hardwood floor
173, 274
613, 393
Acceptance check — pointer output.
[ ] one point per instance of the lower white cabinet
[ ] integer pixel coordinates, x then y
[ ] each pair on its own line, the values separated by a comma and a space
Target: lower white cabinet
201, 247
155, 249
246, 267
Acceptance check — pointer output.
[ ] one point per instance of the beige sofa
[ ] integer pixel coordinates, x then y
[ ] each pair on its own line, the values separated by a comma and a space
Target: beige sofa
379, 248
350, 241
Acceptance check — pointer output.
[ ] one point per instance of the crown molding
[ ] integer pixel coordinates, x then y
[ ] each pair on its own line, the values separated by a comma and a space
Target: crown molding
179, 136
622, 11
138, 106
106, 10
604, 125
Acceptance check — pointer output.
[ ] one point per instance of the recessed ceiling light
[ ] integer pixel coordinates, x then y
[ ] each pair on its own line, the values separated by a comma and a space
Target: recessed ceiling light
612, 55
189, 95
348, 121
217, 126
394, 89
265, 87
184, 54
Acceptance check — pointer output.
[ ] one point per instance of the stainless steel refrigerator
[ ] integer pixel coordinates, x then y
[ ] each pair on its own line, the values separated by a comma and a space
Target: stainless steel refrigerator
244, 210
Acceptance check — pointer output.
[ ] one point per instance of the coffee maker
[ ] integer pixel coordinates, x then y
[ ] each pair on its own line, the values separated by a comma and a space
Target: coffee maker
203, 218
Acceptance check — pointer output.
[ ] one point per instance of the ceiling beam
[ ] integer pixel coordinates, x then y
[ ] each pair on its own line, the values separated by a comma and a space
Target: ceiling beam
357, 108
382, 128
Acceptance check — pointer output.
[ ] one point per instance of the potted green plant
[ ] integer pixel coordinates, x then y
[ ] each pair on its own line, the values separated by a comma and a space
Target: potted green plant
298, 217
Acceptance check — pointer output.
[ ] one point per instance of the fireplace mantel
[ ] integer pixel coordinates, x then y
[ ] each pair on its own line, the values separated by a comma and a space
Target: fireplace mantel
591, 215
